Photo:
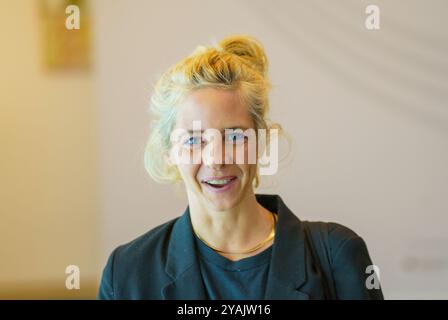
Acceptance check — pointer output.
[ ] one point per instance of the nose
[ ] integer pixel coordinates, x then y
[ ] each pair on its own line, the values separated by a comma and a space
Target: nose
216, 154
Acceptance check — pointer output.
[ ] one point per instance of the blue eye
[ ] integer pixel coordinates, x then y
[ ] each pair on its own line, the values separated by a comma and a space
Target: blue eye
237, 137
193, 141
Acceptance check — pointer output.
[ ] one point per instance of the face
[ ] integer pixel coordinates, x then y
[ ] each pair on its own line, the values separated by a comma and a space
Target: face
218, 182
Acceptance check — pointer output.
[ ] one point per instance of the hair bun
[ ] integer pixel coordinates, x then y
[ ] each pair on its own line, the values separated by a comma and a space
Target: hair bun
247, 48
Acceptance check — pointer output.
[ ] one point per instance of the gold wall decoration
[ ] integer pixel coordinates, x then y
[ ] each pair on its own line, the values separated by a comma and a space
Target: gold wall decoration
64, 49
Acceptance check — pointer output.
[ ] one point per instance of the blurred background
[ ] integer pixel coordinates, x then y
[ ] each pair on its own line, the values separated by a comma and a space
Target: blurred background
367, 111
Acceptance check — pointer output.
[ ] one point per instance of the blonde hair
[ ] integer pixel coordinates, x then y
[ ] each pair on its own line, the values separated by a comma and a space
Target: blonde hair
237, 62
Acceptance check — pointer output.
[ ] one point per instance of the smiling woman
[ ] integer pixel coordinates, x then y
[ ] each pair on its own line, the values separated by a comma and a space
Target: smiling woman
230, 243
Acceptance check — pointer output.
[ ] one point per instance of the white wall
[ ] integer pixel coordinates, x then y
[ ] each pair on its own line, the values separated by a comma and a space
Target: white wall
366, 109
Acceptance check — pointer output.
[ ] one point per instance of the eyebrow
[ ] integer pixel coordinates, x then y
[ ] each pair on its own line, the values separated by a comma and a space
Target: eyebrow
230, 128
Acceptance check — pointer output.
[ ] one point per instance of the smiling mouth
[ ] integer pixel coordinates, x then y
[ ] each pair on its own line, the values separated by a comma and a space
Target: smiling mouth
219, 182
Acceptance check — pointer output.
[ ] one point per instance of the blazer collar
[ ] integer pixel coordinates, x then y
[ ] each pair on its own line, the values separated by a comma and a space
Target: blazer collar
182, 264
287, 269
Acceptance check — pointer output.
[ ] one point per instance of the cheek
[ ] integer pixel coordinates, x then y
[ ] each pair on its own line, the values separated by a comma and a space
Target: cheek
190, 172
195, 170
249, 170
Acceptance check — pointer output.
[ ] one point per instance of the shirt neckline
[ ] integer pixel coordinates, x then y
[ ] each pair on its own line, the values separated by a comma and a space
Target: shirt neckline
209, 255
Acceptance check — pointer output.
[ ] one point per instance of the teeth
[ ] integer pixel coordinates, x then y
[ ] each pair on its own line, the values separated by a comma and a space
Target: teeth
218, 181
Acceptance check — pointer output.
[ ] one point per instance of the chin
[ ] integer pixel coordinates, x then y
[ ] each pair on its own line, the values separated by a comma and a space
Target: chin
222, 205
222, 202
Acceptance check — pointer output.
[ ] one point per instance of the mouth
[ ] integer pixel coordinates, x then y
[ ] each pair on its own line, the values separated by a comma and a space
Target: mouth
219, 183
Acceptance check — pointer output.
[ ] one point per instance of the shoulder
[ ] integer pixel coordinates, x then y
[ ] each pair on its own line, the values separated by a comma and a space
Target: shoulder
150, 242
348, 259
339, 235
136, 262
335, 232
339, 239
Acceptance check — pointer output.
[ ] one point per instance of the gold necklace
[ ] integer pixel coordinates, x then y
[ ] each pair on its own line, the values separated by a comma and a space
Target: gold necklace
258, 246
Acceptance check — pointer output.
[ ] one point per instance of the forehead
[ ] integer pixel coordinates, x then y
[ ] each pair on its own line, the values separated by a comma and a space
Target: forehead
215, 108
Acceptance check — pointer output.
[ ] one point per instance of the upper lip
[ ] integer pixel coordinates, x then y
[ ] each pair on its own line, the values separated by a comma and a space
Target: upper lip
218, 178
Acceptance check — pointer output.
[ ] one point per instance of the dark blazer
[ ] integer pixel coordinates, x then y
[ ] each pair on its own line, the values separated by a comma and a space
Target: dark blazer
162, 264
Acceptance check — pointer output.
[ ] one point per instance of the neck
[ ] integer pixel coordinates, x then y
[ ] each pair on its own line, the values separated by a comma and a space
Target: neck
235, 230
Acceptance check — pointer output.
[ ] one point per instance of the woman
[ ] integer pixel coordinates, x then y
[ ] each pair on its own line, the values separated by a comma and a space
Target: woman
230, 243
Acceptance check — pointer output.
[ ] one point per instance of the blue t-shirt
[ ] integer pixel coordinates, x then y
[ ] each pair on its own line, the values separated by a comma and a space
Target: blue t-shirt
225, 279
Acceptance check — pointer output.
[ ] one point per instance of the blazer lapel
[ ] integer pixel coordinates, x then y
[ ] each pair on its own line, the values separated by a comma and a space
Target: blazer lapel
182, 265
287, 272
188, 286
